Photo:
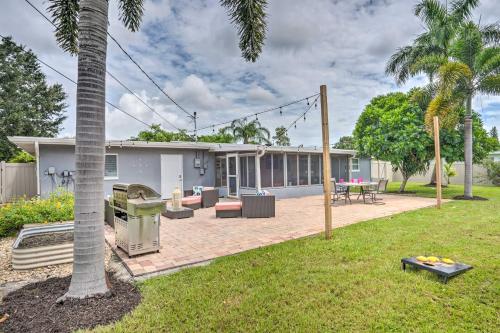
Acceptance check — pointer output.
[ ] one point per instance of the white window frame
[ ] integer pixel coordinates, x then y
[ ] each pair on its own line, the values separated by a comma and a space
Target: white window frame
117, 169
352, 164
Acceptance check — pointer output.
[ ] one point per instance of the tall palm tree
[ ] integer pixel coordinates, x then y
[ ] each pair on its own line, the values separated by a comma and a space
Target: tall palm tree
249, 132
474, 68
81, 28
431, 48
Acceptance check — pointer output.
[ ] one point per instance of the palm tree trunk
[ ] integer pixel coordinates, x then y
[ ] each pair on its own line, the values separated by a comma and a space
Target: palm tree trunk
468, 150
88, 277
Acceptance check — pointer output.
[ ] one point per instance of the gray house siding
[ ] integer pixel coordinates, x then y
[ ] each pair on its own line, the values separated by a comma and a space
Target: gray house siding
135, 165
364, 169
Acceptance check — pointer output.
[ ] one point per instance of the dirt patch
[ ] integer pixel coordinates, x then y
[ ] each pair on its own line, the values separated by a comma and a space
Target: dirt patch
47, 240
476, 198
33, 308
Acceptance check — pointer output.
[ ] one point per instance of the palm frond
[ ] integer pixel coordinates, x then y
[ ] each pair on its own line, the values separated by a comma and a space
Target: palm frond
451, 74
468, 44
428, 64
250, 18
446, 107
490, 85
131, 12
491, 34
431, 11
65, 18
462, 9
488, 61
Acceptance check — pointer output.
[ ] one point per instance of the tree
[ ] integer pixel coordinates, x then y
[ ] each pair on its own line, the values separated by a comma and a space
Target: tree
345, 142
157, 134
81, 28
449, 171
431, 48
494, 137
474, 68
281, 137
391, 128
248, 132
22, 157
28, 104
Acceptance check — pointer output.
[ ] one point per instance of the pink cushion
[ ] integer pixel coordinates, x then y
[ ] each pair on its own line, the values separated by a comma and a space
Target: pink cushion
230, 205
194, 199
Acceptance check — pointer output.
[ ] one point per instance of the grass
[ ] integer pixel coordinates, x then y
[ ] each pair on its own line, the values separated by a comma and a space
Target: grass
448, 192
352, 283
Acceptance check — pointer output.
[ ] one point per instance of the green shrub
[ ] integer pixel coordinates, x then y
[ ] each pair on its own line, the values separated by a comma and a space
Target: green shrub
22, 157
493, 169
58, 207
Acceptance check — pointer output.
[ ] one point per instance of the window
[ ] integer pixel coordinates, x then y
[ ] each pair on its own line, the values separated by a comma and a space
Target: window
291, 169
303, 169
111, 166
315, 172
266, 170
251, 171
278, 170
354, 164
243, 171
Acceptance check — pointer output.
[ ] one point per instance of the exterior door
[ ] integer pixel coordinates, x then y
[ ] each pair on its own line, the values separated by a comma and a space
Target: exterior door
171, 175
233, 175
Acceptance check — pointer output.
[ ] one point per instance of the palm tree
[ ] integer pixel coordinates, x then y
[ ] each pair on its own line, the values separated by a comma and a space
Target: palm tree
431, 48
474, 68
81, 28
249, 132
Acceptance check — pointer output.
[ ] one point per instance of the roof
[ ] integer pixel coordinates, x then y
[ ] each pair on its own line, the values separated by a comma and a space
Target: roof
27, 143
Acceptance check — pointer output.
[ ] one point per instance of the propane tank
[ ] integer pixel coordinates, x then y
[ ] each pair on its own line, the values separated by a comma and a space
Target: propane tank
176, 199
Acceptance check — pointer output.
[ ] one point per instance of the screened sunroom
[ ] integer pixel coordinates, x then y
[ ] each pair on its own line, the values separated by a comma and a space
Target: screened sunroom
284, 171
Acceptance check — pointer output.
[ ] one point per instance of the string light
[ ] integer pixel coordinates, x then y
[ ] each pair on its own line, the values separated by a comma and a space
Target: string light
281, 111
307, 101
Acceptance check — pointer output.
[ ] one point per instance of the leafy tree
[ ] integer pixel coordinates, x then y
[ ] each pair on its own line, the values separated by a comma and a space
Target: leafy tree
22, 157
494, 136
157, 134
493, 171
81, 28
28, 104
281, 137
345, 142
220, 137
248, 132
474, 68
391, 128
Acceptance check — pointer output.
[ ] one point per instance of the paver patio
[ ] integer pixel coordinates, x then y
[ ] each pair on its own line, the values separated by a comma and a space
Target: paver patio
203, 237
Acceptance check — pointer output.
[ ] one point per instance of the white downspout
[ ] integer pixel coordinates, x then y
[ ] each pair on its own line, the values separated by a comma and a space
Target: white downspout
37, 161
260, 153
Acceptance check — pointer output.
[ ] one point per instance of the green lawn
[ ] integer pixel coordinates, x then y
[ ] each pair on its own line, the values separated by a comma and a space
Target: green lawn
448, 192
352, 283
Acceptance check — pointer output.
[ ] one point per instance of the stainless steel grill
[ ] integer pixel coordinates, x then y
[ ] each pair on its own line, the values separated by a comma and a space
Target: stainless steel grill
137, 211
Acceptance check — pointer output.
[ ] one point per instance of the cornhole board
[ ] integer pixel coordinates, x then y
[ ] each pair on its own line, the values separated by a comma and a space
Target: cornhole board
444, 271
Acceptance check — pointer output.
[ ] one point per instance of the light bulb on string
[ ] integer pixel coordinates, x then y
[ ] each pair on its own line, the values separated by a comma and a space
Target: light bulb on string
315, 105
256, 117
307, 101
295, 125
281, 111
213, 129
304, 117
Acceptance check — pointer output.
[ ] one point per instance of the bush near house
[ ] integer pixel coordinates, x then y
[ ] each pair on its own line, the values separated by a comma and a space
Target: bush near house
58, 207
493, 169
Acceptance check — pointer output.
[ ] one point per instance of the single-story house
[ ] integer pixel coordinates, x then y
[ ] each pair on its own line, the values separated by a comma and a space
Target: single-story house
233, 168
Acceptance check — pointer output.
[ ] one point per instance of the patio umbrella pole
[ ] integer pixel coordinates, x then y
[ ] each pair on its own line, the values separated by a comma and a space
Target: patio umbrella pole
326, 162
437, 154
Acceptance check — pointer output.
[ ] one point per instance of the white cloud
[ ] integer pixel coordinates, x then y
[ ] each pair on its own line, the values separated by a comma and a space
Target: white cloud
191, 49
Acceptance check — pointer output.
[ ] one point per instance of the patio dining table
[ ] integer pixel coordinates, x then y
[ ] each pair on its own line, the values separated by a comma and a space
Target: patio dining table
361, 185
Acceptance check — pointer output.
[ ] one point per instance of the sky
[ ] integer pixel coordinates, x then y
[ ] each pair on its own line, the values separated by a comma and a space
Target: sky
190, 48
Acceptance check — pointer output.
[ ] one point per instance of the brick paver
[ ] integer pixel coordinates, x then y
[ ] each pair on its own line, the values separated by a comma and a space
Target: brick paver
203, 237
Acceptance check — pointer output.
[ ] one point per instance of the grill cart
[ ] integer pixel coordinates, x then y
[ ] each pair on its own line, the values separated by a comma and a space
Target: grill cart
136, 210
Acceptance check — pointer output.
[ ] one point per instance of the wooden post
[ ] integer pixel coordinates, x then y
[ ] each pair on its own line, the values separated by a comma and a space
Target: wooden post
437, 154
327, 191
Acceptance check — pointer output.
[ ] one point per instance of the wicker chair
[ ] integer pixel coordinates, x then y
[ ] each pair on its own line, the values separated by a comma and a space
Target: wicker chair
255, 206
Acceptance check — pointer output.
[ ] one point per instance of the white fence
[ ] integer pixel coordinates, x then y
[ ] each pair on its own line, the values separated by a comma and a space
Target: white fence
17, 180
383, 169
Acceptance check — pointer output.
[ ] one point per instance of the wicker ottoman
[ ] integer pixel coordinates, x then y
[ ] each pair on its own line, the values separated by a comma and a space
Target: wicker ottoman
257, 206
182, 213
193, 202
228, 209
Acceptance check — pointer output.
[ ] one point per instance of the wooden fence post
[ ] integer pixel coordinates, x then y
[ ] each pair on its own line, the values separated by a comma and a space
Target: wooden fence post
325, 129
437, 154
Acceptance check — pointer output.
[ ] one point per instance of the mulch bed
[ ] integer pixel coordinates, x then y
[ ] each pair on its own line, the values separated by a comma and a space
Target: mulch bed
461, 197
47, 240
33, 308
